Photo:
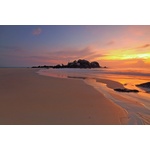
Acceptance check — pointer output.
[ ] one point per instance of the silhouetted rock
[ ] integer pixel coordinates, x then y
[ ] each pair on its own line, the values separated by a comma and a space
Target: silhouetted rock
81, 63
144, 85
57, 66
77, 77
126, 90
94, 64
47, 67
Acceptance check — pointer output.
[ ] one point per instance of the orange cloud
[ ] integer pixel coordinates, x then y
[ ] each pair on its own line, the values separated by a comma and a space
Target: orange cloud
63, 56
133, 63
125, 57
144, 46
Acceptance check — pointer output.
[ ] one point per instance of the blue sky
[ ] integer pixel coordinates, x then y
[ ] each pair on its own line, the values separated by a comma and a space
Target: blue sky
39, 45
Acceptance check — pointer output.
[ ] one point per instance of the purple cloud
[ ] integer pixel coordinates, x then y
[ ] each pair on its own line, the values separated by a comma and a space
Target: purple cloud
37, 31
110, 42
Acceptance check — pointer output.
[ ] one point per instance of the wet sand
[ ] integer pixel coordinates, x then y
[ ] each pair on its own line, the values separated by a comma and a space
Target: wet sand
137, 105
29, 98
110, 83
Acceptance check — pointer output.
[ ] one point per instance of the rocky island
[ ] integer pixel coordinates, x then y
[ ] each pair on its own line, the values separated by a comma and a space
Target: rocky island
81, 63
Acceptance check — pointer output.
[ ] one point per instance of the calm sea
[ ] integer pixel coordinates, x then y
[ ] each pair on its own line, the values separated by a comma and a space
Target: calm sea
123, 75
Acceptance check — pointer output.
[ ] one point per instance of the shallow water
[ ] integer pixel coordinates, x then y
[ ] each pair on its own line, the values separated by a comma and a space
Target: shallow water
136, 104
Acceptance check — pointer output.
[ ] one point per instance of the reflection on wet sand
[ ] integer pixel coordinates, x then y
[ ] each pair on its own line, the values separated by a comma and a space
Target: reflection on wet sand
136, 104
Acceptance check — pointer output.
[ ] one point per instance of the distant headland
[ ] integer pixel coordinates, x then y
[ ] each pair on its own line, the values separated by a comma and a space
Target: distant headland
81, 63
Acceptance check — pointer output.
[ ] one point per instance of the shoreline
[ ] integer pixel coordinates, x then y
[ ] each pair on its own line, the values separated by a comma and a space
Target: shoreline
135, 104
30, 98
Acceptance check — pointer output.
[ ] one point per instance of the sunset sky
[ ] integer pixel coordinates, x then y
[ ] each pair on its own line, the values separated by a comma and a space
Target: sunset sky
112, 46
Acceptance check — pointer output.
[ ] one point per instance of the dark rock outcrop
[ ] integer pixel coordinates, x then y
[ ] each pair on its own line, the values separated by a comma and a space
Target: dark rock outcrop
47, 67
94, 64
81, 63
126, 90
144, 85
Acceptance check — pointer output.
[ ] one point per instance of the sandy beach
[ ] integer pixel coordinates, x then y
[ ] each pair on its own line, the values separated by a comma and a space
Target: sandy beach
29, 98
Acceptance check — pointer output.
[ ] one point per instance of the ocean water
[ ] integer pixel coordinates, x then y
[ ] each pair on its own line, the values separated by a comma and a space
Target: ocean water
136, 75
129, 77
